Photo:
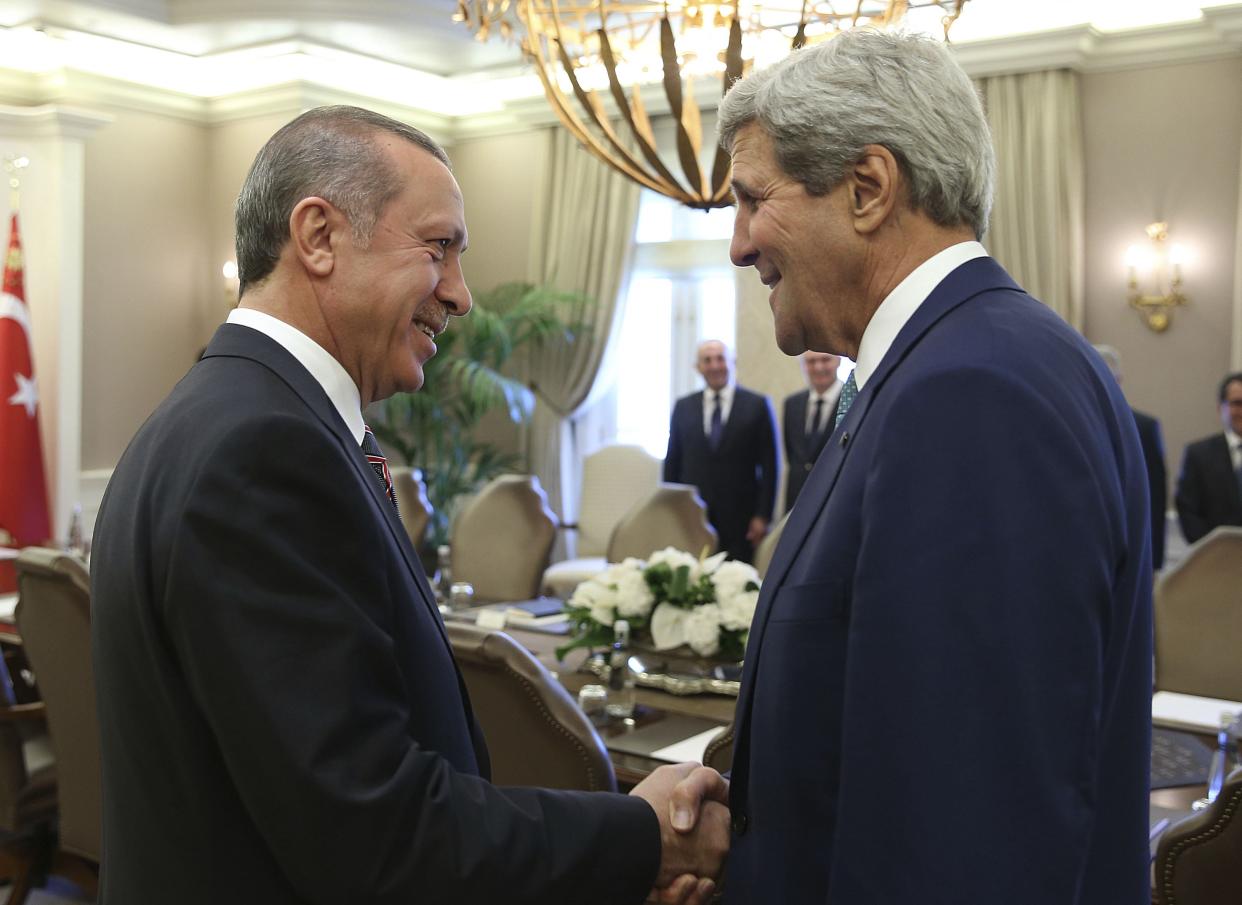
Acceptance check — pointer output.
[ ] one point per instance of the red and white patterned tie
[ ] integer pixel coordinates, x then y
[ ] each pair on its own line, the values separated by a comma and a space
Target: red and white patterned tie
379, 465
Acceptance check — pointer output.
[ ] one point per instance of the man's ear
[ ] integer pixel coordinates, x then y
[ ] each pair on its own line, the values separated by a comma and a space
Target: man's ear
875, 185
311, 227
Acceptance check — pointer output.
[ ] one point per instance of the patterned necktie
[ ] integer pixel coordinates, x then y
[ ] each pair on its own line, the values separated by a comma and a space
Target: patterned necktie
848, 393
816, 418
379, 465
717, 426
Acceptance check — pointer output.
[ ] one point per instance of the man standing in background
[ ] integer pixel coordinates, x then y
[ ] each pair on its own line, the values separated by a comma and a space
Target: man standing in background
1153, 455
723, 441
809, 417
1209, 488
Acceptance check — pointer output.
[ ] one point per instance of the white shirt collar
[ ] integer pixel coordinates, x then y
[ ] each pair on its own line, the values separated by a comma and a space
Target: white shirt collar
327, 371
903, 301
1233, 440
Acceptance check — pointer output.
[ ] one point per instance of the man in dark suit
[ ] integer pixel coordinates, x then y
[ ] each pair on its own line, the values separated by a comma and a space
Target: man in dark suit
1153, 454
723, 441
947, 688
808, 418
1209, 488
282, 720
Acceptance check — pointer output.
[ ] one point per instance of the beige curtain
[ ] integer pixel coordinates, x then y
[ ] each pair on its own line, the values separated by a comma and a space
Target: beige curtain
1235, 355
1037, 219
582, 241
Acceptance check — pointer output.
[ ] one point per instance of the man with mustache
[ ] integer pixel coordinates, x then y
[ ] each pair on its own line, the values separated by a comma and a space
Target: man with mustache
282, 720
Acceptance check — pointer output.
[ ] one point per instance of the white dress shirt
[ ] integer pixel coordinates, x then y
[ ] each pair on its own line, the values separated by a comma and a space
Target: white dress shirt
903, 301
1235, 448
327, 371
830, 397
724, 400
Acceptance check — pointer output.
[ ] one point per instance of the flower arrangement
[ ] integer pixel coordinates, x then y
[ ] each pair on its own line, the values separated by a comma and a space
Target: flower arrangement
672, 599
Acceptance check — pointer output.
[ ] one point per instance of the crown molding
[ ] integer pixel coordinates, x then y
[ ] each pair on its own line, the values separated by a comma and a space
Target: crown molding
52, 121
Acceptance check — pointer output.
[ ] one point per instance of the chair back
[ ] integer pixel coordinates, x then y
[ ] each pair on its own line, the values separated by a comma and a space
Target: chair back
672, 515
767, 546
502, 539
612, 479
719, 752
536, 735
54, 619
1199, 859
1199, 619
412, 502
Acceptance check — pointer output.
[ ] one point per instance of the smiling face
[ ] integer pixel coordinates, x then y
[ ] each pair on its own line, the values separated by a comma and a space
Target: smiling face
803, 246
713, 364
390, 298
820, 369
1231, 408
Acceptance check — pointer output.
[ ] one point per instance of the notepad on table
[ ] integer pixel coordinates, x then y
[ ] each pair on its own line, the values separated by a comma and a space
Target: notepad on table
1190, 712
539, 611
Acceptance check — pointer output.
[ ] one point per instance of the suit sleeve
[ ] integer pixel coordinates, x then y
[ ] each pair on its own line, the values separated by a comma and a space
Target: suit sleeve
1189, 498
673, 458
787, 428
283, 626
978, 623
768, 461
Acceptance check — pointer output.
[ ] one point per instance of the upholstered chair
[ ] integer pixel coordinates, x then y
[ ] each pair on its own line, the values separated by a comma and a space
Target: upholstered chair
672, 515
502, 539
1199, 859
767, 546
536, 735
412, 503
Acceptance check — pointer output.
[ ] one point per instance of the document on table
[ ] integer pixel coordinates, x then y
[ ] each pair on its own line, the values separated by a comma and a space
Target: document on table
1190, 712
687, 749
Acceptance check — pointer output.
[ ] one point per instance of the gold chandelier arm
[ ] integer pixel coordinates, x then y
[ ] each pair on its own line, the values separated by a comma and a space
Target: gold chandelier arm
633, 112
722, 169
686, 150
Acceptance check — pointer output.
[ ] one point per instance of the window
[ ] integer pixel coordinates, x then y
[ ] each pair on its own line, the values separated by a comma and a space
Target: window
682, 291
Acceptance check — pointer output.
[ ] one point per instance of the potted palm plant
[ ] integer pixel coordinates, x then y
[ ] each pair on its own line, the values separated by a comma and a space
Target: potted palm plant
471, 375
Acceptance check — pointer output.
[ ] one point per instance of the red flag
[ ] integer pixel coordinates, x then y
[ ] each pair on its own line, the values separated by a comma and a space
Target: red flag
23, 489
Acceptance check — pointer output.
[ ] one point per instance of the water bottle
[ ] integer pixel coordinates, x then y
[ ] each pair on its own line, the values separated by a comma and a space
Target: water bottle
620, 676
444, 578
76, 544
1224, 760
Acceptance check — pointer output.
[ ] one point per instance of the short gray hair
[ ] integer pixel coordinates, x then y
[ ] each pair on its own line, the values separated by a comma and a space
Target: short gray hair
823, 104
328, 152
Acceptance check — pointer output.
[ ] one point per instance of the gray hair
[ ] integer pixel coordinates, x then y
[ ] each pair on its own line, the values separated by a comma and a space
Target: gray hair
823, 104
1111, 357
328, 152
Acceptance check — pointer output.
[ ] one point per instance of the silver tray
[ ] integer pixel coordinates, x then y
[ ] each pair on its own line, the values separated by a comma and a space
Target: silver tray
680, 675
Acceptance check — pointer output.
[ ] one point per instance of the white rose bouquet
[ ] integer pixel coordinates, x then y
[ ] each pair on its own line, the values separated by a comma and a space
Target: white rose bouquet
672, 599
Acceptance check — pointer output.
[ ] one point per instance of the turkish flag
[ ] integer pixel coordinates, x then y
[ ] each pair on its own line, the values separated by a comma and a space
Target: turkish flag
23, 489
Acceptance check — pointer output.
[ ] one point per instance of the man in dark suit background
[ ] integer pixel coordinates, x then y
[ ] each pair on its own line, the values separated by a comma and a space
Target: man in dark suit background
723, 441
947, 686
808, 418
1153, 454
1209, 487
282, 720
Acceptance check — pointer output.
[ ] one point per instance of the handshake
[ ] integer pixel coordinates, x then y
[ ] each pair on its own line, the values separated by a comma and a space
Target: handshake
691, 803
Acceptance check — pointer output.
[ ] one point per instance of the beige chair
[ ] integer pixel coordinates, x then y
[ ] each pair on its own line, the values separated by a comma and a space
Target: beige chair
672, 515
27, 802
1199, 620
612, 479
1199, 860
719, 752
502, 538
412, 503
536, 735
54, 619
767, 546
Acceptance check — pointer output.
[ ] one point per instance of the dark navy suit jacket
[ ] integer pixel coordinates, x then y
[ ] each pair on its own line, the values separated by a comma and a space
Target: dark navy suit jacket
1208, 495
282, 720
801, 448
1157, 481
947, 688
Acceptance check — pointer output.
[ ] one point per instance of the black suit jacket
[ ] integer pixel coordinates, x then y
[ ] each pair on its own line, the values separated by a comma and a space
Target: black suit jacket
738, 480
1207, 489
281, 717
1157, 481
801, 449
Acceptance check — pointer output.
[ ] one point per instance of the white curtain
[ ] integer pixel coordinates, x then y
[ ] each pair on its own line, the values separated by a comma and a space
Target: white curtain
582, 241
1037, 219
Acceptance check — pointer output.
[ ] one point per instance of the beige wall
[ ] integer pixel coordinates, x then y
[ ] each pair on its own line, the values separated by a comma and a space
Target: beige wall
147, 273
1164, 143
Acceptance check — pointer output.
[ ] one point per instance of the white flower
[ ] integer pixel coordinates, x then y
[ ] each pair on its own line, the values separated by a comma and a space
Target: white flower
731, 578
668, 626
712, 563
634, 598
737, 605
599, 598
703, 629
675, 558
738, 610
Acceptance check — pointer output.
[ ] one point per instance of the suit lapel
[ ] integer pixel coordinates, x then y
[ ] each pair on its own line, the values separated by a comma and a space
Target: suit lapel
965, 282
1229, 477
239, 341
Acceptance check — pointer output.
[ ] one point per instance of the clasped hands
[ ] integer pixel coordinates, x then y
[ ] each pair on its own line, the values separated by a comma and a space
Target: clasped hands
691, 803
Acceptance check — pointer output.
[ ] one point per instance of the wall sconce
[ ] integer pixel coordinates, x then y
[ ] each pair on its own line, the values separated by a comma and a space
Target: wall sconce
1160, 268
231, 284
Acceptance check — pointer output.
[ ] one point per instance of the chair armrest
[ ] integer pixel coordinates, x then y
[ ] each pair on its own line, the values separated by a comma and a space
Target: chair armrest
23, 713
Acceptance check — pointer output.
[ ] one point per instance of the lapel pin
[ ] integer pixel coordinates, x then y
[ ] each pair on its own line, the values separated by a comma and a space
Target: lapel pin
845, 438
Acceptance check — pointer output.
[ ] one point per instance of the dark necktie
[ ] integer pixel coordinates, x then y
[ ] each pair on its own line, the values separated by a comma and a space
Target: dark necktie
1238, 475
848, 393
816, 419
379, 465
717, 426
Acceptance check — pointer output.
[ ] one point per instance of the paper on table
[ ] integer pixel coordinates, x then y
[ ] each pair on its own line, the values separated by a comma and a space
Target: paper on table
691, 748
1191, 712
8, 606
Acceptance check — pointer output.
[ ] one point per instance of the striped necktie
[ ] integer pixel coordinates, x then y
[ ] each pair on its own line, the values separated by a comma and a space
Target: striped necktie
379, 465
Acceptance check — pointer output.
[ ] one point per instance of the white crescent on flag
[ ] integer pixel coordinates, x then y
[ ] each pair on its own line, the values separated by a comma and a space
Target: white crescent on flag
14, 308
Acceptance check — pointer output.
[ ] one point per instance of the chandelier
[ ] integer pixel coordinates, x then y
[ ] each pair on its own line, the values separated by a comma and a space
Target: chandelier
594, 58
